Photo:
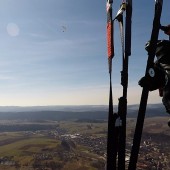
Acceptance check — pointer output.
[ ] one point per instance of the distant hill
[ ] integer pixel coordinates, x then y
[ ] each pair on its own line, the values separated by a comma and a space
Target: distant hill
72, 108
151, 110
59, 113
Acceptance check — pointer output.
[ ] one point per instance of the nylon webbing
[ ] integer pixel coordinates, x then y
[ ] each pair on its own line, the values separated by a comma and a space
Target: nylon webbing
112, 141
122, 105
116, 132
145, 91
121, 33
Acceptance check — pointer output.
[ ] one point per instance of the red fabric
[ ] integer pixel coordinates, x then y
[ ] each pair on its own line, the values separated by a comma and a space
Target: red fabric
110, 48
109, 40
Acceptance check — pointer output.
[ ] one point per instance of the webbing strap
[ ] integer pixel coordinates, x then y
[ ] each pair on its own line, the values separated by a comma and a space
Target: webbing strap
116, 134
121, 34
112, 141
122, 105
145, 91
109, 29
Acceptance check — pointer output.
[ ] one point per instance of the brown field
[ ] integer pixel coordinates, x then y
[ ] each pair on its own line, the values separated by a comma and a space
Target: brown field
45, 149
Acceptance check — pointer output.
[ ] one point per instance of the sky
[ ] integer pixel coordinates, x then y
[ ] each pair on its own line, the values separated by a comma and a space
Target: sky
53, 52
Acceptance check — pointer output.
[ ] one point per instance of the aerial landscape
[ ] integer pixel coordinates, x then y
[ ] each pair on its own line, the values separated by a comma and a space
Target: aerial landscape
76, 79
75, 140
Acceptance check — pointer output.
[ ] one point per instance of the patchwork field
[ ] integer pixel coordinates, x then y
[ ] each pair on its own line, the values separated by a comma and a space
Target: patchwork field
76, 145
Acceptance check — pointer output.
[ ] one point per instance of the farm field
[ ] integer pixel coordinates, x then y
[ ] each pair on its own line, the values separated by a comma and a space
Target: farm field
76, 145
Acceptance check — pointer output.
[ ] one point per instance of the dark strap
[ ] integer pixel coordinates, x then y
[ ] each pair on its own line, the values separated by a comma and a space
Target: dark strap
112, 136
145, 91
111, 139
122, 106
117, 121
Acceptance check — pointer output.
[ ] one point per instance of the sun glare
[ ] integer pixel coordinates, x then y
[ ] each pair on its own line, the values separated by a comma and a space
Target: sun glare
13, 29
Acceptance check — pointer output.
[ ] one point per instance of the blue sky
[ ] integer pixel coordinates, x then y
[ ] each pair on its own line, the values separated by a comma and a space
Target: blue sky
54, 52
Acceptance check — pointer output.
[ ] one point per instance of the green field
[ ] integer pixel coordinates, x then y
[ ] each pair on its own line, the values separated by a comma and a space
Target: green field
38, 150
46, 149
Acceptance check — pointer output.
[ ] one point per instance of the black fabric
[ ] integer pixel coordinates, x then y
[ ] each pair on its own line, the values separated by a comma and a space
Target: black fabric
166, 94
169, 122
161, 67
156, 82
163, 51
162, 72
166, 100
163, 55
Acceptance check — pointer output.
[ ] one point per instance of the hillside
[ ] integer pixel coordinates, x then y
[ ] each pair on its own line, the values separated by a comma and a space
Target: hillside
60, 113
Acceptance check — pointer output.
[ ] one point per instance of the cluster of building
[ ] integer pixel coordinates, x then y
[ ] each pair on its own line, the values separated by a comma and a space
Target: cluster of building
152, 156
95, 145
6, 160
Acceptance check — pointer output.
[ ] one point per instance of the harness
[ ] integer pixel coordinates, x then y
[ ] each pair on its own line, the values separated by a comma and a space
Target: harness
116, 141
